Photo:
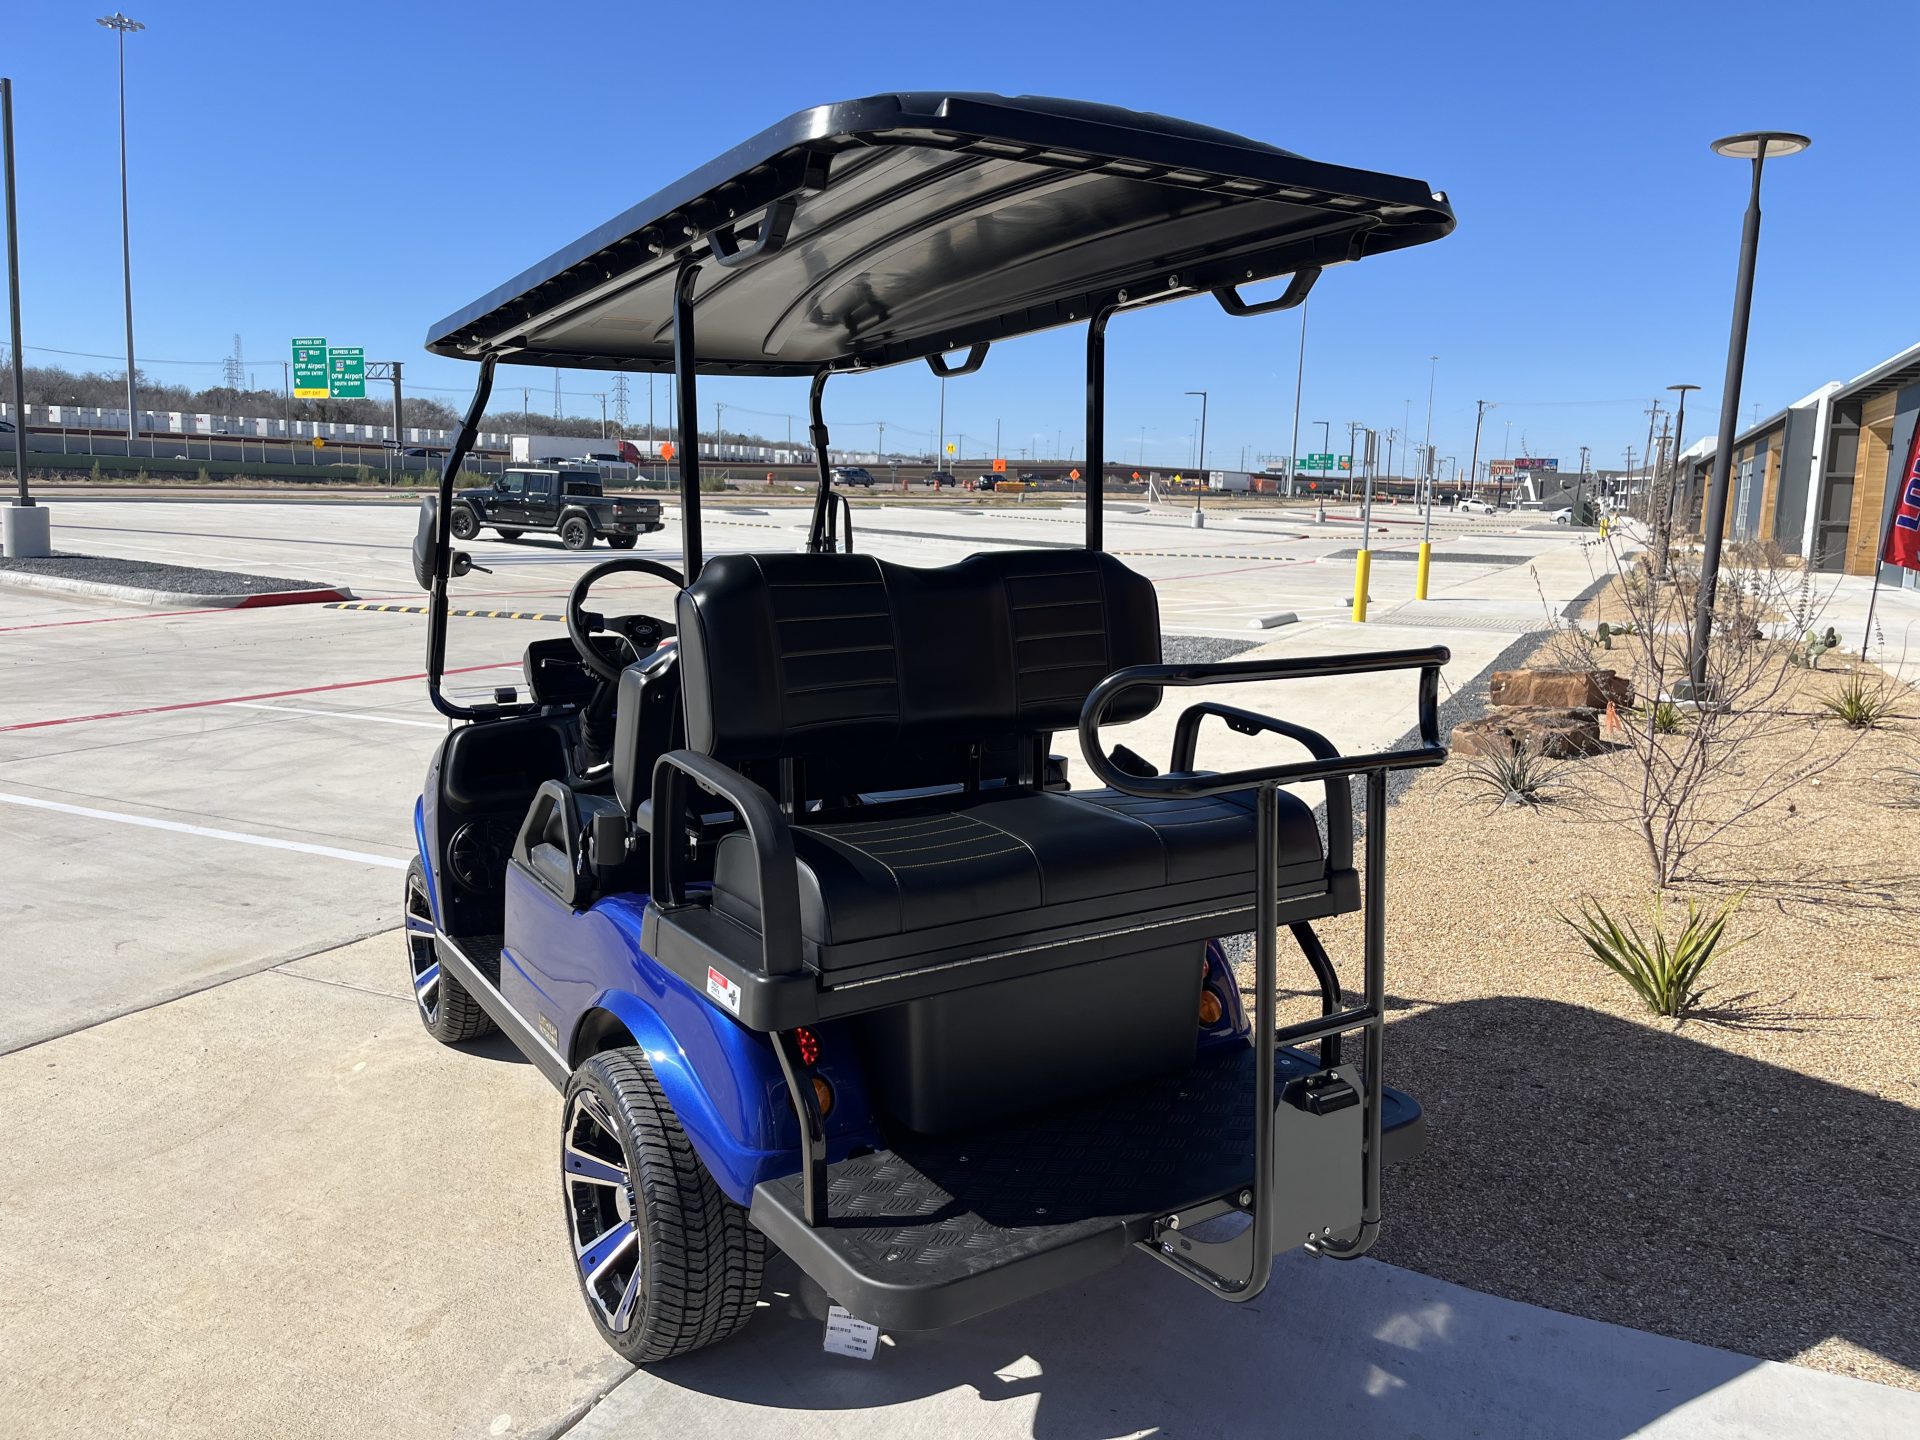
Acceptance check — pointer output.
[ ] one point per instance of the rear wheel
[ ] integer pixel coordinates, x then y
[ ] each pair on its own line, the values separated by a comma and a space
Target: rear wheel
510, 534
464, 522
622, 542
576, 534
666, 1262
446, 1009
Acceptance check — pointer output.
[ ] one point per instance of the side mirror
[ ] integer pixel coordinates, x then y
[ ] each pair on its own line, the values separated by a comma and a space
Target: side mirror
423, 536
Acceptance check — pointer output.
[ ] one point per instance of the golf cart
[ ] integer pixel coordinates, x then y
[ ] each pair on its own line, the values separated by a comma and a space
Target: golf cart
790, 896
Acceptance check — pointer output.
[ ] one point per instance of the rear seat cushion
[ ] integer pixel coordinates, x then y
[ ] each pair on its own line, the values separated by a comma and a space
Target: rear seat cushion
933, 863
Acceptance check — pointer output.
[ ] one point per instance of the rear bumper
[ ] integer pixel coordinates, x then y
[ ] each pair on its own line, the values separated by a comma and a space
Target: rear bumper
938, 1230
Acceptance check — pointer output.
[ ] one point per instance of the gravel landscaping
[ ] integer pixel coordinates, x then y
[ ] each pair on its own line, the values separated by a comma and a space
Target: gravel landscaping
1748, 1177
151, 575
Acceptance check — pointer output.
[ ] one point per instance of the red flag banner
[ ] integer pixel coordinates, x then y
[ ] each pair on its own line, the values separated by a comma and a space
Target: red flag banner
1903, 530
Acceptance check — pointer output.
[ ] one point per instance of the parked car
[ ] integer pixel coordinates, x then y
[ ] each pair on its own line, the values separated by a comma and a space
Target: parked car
1475, 507
569, 503
940, 478
1562, 516
853, 475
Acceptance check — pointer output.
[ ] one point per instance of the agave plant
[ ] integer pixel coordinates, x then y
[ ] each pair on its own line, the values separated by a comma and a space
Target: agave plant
1862, 703
1515, 776
1665, 975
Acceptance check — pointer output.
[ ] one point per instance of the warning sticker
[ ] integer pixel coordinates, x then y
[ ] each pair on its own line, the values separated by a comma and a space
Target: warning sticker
848, 1336
724, 990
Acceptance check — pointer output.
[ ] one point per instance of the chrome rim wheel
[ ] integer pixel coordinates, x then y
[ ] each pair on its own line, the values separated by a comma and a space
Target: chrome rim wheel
602, 1213
423, 962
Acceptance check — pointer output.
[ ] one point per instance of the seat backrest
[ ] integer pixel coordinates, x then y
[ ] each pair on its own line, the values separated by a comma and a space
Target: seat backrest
845, 656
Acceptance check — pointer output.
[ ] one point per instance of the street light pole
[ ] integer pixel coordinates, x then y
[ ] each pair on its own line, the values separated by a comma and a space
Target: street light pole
1663, 538
120, 25
13, 301
1199, 521
1426, 490
1754, 146
1473, 465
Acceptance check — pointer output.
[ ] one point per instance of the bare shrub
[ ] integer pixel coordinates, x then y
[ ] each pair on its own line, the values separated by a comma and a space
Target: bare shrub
1691, 789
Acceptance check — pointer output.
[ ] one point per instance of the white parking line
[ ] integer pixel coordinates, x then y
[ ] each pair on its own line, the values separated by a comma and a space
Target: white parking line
338, 714
237, 837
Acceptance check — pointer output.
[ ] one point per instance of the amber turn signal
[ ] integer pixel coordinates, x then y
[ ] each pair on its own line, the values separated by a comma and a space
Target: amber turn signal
1210, 1009
823, 1092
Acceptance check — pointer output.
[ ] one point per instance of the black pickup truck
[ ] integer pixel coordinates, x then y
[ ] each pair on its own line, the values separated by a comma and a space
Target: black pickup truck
569, 503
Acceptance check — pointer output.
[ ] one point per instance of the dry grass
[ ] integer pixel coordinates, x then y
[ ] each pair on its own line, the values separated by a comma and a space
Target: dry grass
1749, 1177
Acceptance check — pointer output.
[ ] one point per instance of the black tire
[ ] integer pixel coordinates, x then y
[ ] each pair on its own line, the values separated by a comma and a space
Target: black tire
464, 522
510, 534
680, 1266
446, 1009
576, 534
622, 542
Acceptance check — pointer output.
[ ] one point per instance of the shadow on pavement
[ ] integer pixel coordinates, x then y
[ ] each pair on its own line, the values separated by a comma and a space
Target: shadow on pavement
1629, 1173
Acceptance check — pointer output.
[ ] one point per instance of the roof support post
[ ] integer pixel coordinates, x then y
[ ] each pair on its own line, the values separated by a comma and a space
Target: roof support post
1097, 425
817, 539
437, 601
689, 406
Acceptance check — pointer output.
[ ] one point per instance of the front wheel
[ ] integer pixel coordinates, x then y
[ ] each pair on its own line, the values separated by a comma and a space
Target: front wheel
622, 542
446, 1009
576, 534
667, 1264
464, 523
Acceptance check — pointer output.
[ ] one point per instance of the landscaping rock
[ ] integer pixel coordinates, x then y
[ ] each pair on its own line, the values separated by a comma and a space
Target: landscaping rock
1556, 733
1560, 689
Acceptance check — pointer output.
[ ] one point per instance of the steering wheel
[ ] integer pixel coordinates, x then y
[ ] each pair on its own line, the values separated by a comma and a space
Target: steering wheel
583, 624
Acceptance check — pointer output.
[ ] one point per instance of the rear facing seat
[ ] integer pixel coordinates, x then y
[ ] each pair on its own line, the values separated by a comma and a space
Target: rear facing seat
823, 668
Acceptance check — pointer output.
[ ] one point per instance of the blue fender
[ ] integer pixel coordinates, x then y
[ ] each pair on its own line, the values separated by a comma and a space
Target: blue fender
426, 858
723, 1083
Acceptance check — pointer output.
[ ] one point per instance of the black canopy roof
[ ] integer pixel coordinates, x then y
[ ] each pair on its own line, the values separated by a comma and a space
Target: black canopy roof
886, 229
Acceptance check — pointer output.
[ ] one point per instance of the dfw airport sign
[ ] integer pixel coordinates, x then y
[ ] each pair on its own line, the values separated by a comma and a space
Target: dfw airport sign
320, 373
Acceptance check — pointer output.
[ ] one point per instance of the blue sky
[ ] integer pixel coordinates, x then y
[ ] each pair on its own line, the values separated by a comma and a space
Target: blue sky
359, 170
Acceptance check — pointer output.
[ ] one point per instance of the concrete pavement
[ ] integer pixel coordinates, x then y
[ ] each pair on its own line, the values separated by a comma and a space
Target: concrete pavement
1359, 1350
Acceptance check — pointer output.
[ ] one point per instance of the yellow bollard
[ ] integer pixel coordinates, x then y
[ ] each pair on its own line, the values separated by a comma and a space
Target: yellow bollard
1362, 564
1420, 575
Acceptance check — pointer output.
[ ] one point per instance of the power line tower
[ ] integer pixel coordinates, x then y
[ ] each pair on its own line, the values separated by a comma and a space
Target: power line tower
620, 401
235, 366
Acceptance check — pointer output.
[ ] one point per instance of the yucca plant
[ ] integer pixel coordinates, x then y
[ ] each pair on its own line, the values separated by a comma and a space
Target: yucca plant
1516, 776
1665, 975
1667, 718
1862, 703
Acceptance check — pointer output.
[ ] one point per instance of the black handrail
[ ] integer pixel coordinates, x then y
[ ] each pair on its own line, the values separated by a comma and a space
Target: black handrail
767, 829
1429, 752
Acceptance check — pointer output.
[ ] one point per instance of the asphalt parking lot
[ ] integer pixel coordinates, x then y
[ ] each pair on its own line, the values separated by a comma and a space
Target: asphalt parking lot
247, 1196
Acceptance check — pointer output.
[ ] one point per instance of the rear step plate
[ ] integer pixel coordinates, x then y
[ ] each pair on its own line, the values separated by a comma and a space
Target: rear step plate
937, 1230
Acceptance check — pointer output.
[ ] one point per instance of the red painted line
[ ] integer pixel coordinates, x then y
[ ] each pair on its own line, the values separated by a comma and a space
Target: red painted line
114, 619
263, 695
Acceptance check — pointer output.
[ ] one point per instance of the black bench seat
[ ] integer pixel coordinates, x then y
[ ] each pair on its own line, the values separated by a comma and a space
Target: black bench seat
815, 684
1042, 859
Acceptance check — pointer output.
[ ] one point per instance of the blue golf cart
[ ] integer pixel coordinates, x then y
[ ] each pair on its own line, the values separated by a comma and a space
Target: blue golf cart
791, 897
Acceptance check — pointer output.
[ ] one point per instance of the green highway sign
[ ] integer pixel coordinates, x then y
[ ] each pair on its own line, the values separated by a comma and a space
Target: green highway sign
347, 372
310, 369
1324, 463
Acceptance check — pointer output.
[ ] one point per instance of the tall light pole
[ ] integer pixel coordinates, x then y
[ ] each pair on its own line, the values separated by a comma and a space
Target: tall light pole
1663, 538
1433, 372
1201, 478
1299, 378
1754, 146
120, 25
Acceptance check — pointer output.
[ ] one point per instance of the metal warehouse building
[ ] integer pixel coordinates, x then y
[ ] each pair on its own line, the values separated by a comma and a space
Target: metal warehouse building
1819, 478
